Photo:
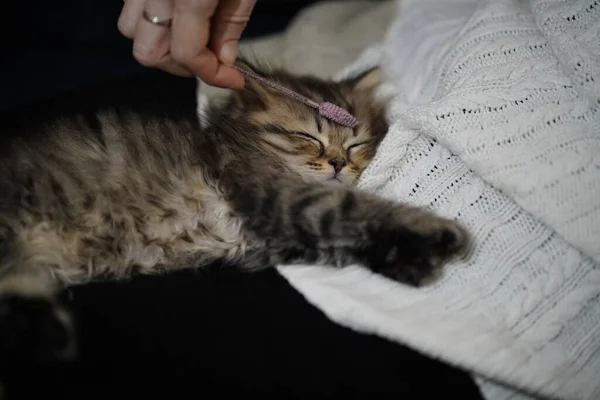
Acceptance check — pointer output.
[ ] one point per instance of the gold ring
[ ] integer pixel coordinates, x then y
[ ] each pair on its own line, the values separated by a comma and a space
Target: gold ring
166, 22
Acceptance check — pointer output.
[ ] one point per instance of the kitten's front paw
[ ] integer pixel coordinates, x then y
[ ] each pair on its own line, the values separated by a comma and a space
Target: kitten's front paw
34, 329
413, 253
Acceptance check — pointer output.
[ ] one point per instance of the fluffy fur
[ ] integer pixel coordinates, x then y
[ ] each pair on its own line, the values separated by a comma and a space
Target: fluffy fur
266, 181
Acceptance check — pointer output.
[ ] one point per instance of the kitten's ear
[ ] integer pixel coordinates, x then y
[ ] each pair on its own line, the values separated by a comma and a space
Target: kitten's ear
366, 81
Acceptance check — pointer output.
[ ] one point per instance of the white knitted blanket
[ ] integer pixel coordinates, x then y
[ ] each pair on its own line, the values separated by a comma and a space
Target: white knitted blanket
499, 128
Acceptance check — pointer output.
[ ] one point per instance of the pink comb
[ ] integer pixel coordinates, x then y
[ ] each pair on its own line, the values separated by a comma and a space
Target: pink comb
326, 109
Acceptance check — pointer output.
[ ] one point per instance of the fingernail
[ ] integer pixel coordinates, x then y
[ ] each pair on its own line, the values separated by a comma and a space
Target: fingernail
228, 52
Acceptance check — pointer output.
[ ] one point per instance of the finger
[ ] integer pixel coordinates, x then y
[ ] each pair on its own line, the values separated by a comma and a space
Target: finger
228, 23
169, 65
191, 29
216, 74
191, 19
129, 17
151, 43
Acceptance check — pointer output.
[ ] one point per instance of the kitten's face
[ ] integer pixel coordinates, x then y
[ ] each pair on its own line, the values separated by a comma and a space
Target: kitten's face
308, 144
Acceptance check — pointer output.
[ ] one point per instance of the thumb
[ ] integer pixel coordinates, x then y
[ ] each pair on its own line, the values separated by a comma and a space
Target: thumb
227, 24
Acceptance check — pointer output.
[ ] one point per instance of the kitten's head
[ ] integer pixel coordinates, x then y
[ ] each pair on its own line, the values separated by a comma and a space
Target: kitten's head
306, 143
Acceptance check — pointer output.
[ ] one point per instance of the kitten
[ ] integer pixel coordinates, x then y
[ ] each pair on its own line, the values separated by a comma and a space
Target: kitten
267, 181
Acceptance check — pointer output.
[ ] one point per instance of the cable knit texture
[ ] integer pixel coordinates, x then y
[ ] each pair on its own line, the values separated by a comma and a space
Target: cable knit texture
495, 122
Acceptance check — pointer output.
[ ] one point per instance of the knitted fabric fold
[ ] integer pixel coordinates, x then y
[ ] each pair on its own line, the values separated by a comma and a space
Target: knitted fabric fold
495, 122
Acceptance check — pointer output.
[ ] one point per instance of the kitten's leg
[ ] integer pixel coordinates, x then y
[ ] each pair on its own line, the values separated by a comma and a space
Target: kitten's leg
33, 325
300, 222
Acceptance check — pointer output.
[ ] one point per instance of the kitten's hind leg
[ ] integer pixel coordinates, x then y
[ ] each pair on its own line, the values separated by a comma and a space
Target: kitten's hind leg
34, 327
304, 222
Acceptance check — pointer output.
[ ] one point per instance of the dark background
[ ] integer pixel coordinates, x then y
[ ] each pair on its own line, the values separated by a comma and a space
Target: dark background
59, 45
192, 333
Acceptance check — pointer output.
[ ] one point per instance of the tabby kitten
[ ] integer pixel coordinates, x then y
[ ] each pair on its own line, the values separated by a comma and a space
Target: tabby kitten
266, 181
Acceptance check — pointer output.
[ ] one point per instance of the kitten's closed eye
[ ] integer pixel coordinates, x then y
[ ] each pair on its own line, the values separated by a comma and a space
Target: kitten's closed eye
355, 147
312, 139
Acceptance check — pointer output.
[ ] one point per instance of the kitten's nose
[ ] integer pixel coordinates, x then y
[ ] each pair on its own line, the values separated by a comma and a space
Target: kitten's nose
337, 164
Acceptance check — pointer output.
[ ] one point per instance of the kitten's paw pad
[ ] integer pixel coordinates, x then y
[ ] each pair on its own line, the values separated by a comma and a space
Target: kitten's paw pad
34, 329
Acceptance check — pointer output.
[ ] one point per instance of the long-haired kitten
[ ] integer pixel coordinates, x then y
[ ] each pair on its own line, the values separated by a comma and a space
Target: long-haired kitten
267, 181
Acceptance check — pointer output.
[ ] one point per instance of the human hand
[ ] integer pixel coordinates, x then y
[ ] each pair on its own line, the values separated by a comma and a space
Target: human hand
197, 38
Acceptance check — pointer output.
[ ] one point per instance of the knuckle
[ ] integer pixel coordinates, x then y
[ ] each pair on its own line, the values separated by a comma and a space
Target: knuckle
233, 19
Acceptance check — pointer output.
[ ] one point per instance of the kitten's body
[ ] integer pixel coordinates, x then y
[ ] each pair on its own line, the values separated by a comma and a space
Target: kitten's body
134, 195
267, 182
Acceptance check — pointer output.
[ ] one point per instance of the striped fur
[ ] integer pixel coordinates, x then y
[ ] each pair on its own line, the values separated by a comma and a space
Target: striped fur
266, 182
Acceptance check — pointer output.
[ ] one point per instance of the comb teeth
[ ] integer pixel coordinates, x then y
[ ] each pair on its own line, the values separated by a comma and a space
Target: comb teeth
337, 114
